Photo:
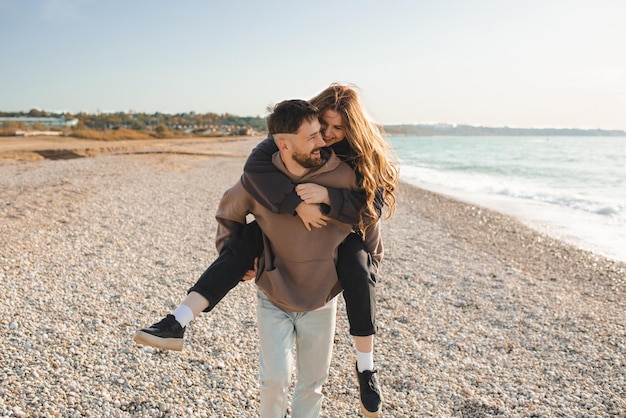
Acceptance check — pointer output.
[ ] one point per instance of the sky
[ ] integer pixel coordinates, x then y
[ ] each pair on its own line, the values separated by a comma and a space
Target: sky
532, 63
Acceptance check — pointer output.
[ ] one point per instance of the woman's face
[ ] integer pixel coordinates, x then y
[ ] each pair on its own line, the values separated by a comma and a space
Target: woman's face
332, 127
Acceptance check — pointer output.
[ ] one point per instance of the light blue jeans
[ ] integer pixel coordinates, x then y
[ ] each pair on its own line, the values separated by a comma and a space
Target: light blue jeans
312, 334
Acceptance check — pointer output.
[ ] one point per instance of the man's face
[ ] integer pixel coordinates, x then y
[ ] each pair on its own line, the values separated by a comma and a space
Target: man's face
332, 127
307, 144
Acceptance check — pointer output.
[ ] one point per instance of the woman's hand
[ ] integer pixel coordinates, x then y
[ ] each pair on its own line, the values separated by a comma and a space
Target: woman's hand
311, 215
313, 193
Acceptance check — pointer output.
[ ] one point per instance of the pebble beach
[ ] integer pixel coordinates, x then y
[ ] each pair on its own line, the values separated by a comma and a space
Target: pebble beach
478, 315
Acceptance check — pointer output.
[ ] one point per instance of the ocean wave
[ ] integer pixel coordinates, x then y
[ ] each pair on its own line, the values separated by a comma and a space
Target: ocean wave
517, 189
609, 211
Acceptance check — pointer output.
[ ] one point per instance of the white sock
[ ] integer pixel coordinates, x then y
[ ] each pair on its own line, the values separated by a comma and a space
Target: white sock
183, 314
364, 361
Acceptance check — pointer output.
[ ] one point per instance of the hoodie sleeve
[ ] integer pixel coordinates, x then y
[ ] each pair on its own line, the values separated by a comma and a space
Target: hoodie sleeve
345, 205
266, 183
374, 243
231, 214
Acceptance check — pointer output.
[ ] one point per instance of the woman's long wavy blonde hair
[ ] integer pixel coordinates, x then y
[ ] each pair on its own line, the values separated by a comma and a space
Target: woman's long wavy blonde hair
372, 151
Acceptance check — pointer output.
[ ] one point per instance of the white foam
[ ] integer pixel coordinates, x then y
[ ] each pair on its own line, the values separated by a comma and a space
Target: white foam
595, 232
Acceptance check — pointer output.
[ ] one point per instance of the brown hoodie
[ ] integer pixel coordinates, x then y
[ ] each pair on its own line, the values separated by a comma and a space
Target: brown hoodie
297, 268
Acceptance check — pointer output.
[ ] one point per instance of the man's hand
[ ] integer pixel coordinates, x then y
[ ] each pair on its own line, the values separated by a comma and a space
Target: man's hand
251, 274
311, 215
313, 193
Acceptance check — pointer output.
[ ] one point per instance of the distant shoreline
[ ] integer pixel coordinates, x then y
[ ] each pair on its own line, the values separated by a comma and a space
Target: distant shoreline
445, 129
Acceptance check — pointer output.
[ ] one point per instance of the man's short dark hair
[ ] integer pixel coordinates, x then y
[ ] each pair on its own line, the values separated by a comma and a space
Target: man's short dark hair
287, 116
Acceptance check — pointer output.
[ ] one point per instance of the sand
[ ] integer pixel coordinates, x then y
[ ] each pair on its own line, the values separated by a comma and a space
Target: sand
478, 315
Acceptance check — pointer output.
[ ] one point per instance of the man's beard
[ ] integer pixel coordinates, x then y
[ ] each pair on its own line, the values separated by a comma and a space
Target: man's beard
306, 161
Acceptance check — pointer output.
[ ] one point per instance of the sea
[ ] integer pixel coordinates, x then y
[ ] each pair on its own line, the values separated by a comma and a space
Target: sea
572, 188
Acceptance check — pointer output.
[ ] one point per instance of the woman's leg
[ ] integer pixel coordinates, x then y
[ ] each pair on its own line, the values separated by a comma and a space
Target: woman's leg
235, 259
358, 278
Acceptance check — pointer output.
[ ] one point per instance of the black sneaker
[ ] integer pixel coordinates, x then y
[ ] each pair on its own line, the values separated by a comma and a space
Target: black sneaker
166, 334
371, 399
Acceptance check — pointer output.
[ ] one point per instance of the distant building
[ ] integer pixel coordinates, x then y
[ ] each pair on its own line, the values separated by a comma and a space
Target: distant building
50, 122
37, 133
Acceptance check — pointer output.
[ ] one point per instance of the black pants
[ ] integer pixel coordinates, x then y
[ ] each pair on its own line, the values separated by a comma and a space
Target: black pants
354, 268
358, 279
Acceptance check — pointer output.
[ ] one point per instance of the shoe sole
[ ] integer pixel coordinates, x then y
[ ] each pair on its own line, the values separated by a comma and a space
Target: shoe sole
370, 414
364, 411
143, 338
